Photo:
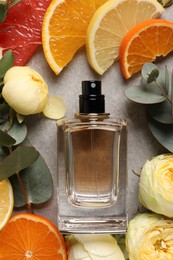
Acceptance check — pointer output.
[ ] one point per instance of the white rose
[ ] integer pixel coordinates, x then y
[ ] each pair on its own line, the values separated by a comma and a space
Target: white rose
156, 185
25, 90
93, 247
150, 237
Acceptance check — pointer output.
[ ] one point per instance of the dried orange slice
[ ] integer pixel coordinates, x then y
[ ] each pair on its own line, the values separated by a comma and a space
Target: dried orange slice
110, 24
64, 29
29, 236
144, 43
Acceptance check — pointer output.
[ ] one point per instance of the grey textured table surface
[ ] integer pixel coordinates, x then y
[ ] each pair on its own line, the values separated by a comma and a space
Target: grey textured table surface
42, 131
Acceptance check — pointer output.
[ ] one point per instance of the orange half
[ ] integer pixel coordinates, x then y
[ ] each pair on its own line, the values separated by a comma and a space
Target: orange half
28, 236
64, 29
144, 43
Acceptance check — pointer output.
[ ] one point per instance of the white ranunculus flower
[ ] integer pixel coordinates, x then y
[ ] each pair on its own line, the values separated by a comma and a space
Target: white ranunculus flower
156, 185
150, 237
25, 90
93, 247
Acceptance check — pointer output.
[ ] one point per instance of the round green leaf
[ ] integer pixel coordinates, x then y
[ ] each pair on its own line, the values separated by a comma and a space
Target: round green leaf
6, 140
153, 75
147, 69
17, 160
37, 182
145, 94
162, 132
17, 131
161, 112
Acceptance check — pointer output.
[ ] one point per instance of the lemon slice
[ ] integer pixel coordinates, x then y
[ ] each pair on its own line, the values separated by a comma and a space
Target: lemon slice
6, 202
110, 24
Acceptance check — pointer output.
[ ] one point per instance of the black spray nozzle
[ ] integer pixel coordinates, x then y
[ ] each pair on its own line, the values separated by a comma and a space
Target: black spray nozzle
91, 100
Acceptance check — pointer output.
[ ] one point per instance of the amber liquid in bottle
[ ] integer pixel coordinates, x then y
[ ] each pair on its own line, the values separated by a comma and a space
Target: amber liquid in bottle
92, 167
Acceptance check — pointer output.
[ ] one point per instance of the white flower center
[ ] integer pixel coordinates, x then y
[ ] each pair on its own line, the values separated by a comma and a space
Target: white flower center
28, 254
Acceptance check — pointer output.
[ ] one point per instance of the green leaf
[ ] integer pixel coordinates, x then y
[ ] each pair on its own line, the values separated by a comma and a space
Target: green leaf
17, 131
161, 112
5, 139
37, 182
162, 132
147, 69
4, 108
145, 94
6, 63
3, 11
3, 113
3, 153
19, 159
153, 75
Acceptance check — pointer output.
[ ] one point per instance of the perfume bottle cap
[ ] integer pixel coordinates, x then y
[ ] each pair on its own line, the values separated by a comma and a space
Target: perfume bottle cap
91, 100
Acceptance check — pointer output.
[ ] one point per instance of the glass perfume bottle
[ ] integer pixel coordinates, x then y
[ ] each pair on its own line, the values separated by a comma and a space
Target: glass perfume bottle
92, 174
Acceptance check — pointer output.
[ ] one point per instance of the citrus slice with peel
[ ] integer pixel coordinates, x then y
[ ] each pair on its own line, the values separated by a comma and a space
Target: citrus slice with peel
144, 43
6, 202
29, 236
110, 24
64, 30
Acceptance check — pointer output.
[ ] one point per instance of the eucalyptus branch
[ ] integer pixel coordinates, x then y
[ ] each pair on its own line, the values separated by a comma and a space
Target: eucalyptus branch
29, 205
163, 91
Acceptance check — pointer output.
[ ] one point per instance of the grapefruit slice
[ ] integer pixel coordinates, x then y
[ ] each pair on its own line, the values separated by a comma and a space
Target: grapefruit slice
21, 31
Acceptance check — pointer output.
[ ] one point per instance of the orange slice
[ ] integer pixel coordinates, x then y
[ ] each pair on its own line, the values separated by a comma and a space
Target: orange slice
110, 24
28, 236
64, 29
144, 43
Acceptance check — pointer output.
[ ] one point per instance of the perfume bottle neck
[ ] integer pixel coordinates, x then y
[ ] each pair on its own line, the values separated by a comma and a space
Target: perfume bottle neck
92, 116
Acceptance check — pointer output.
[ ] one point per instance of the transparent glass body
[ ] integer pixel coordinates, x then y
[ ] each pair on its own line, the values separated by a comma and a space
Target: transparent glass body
94, 148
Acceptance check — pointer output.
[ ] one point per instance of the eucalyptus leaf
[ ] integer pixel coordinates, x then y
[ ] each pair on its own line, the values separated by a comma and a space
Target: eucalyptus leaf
17, 160
4, 108
6, 63
145, 94
161, 112
153, 75
6, 140
37, 182
162, 132
147, 68
3, 154
17, 131
3, 11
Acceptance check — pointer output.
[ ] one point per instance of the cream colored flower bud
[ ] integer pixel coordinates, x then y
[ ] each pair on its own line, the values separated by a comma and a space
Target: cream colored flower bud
156, 185
25, 90
150, 237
